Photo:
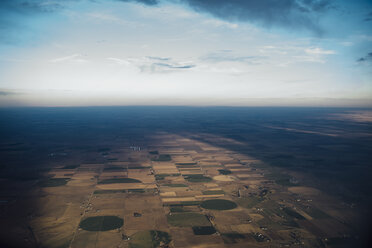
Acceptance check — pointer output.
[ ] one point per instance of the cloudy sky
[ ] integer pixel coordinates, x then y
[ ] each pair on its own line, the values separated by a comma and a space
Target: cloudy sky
186, 52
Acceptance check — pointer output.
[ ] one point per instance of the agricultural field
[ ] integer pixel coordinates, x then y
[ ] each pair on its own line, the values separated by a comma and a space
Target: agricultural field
169, 189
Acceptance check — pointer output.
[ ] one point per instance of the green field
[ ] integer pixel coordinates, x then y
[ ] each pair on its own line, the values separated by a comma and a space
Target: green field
224, 172
114, 168
101, 223
177, 210
162, 158
203, 230
149, 239
186, 163
163, 176
218, 204
185, 203
188, 220
109, 191
119, 180
53, 182
73, 166
175, 185
213, 192
190, 167
197, 178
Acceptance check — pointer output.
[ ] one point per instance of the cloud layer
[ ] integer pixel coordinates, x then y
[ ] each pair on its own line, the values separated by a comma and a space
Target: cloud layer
299, 14
287, 13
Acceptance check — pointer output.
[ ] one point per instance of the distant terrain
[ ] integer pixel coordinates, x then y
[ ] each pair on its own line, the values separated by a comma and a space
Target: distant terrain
185, 177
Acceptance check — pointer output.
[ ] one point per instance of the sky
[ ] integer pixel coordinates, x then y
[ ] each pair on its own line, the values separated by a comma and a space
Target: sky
186, 52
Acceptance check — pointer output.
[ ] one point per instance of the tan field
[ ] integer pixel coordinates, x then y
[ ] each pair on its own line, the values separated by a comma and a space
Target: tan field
178, 199
224, 178
126, 186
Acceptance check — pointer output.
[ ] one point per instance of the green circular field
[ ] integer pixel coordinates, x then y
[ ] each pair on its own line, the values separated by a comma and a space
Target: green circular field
101, 223
149, 239
218, 204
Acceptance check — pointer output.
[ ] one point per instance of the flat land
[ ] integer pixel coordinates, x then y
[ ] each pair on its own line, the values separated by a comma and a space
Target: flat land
133, 177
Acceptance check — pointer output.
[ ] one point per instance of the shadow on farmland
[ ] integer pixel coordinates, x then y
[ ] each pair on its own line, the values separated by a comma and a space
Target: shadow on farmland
333, 153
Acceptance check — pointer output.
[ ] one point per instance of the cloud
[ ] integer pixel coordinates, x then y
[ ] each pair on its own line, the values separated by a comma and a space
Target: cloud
16, 16
298, 14
76, 58
147, 2
153, 64
163, 65
7, 93
159, 58
366, 58
170, 66
287, 13
229, 56
120, 61
317, 50
220, 24
368, 18
30, 6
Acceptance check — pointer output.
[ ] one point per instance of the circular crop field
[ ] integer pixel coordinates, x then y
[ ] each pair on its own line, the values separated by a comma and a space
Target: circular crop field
101, 223
218, 204
146, 239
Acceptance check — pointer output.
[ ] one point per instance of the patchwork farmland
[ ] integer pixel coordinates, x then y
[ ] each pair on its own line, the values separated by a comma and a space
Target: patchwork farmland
176, 191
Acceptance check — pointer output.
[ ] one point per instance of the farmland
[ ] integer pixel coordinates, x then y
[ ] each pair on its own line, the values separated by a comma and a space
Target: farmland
170, 187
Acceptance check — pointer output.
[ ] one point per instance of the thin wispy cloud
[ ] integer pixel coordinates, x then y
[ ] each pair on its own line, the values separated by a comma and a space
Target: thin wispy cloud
230, 56
7, 93
317, 50
154, 64
76, 58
